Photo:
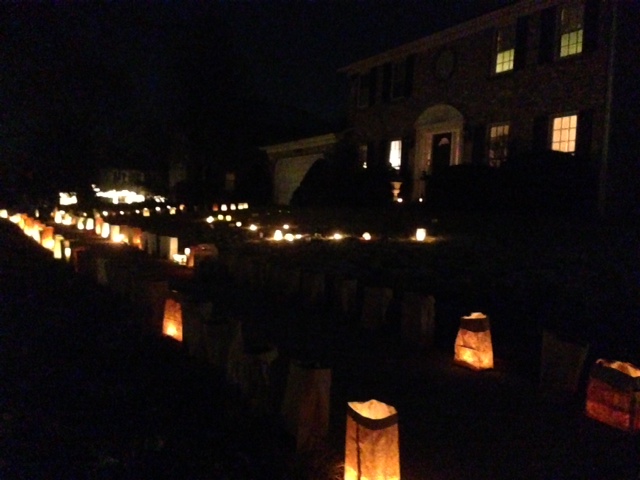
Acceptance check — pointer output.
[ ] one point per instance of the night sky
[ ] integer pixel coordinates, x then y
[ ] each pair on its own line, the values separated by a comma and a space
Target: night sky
88, 83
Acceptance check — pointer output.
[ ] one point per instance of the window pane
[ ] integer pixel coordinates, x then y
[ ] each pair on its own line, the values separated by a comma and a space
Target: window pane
498, 144
571, 30
505, 49
395, 154
564, 133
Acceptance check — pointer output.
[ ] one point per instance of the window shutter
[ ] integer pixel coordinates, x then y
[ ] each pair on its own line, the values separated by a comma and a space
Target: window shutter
541, 134
547, 35
591, 13
382, 154
354, 81
373, 84
522, 32
584, 134
386, 82
407, 149
408, 80
478, 152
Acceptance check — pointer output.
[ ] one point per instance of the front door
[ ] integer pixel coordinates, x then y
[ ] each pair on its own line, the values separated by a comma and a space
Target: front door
440, 151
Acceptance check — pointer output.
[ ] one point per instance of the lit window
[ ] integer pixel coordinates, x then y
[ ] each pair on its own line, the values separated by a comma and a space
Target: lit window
571, 29
498, 144
363, 153
564, 133
505, 49
395, 154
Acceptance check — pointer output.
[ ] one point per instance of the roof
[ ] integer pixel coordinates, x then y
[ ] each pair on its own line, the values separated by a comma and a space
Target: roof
502, 16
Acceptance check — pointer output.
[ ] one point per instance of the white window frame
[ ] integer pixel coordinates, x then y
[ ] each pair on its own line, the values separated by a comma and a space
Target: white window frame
564, 132
395, 154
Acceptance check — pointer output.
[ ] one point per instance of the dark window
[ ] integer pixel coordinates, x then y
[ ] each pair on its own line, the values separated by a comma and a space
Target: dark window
363, 90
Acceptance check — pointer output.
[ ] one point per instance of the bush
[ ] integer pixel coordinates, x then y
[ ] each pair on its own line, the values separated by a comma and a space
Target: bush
547, 183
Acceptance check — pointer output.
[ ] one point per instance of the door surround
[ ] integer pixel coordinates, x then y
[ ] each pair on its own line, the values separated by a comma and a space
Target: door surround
436, 120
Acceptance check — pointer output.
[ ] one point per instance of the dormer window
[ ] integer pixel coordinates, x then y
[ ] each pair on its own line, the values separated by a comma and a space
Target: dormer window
505, 49
571, 30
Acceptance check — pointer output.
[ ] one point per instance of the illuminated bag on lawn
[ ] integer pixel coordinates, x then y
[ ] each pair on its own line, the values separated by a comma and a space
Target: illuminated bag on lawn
613, 394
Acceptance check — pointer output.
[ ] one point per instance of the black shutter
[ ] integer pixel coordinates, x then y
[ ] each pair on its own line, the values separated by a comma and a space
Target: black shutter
478, 152
386, 82
354, 82
584, 134
540, 134
407, 147
546, 51
591, 13
382, 154
522, 33
408, 78
373, 84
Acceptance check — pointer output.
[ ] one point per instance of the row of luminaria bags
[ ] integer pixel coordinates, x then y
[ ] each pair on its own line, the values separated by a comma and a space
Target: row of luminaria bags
371, 449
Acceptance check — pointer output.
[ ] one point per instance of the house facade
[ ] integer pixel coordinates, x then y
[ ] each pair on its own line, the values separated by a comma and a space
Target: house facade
535, 76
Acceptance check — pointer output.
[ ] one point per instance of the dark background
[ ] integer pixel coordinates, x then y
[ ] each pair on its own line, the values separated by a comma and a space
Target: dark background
134, 84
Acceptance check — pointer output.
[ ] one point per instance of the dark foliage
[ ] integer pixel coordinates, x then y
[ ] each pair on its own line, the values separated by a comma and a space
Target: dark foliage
337, 180
547, 182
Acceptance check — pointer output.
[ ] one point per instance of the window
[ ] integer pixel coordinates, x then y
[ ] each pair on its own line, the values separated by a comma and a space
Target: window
498, 144
395, 154
505, 49
564, 131
363, 90
398, 75
363, 153
571, 30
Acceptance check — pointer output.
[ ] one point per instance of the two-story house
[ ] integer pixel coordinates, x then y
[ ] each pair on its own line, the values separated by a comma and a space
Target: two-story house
536, 75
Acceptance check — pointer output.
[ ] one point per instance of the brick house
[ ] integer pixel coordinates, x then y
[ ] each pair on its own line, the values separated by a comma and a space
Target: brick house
536, 75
